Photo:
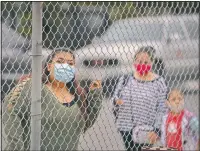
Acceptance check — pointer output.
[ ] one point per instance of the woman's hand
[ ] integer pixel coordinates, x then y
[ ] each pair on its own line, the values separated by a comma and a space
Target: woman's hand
95, 85
153, 137
119, 102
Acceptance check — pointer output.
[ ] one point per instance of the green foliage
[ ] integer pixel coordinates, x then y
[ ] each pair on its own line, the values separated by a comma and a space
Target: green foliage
122, 10
25, 27
117, 10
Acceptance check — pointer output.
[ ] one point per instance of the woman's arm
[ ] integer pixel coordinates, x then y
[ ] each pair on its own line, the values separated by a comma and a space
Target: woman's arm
94, 104
161, 106
15, 108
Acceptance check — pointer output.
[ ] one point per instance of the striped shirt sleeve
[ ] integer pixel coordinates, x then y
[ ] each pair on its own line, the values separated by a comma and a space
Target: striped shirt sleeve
161, 106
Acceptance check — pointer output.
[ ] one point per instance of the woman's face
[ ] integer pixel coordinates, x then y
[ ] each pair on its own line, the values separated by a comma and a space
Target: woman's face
142, 63
60, 58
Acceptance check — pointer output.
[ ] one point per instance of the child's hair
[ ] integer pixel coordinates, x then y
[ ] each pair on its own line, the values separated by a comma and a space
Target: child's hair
174, 90
147, 49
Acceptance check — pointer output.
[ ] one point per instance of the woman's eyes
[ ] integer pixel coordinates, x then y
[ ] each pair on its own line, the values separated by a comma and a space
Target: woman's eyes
141, 62
58, 61
71, 63
62, 61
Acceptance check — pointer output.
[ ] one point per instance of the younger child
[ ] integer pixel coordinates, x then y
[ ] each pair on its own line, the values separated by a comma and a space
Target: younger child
179, 127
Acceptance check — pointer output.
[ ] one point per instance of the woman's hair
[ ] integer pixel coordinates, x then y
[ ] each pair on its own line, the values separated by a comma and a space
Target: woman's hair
147, 49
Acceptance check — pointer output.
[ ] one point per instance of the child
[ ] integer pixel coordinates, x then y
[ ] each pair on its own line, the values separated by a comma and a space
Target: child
179, 127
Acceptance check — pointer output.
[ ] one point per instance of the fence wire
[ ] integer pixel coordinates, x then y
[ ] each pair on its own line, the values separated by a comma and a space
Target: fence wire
116, 75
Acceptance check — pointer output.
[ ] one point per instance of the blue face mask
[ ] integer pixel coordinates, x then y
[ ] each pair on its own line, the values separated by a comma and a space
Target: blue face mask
64, 72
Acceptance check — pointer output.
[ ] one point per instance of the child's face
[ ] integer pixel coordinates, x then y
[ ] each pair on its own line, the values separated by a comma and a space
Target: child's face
175, 102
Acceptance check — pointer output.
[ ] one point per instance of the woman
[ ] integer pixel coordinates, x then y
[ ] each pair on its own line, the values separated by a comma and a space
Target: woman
140, 99
67, 110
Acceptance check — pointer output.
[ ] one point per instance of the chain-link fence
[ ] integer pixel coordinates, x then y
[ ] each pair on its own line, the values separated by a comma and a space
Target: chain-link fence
108, 78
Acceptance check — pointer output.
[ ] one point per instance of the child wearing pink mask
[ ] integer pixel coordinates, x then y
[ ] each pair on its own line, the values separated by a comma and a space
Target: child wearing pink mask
140, 102
180, 128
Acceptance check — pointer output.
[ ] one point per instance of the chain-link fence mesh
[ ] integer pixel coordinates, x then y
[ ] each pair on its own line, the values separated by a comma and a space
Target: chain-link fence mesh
99, 41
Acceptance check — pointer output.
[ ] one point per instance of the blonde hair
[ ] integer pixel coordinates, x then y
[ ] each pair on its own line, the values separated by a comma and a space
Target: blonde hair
174, 90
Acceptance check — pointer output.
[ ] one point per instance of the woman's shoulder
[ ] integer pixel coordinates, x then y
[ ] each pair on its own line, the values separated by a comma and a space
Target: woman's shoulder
156, 76
15, 96
21, 86
159, 78
161, 83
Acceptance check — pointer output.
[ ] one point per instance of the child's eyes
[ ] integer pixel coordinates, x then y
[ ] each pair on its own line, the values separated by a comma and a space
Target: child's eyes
176, 99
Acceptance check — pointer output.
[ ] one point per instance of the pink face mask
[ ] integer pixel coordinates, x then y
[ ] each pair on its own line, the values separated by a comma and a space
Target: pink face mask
142, 68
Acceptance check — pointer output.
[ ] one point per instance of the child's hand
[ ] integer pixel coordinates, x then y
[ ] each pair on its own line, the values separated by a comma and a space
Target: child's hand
153, 137
95, 85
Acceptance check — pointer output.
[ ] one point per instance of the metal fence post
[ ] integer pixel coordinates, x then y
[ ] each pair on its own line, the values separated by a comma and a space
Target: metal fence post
36, 75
